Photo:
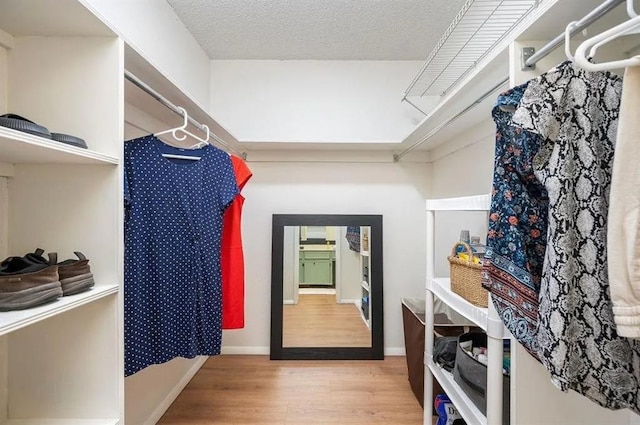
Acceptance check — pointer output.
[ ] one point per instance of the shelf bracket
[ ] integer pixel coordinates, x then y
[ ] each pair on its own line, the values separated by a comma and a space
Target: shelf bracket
404, 99
527, 52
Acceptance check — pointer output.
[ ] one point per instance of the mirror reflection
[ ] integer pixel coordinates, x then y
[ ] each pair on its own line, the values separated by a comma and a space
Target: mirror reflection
326, 287
326, 293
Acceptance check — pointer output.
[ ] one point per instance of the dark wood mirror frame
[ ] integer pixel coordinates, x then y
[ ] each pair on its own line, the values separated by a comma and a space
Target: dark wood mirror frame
376, 351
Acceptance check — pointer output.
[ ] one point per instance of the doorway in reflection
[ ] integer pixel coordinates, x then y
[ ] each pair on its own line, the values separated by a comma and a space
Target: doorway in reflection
326, 295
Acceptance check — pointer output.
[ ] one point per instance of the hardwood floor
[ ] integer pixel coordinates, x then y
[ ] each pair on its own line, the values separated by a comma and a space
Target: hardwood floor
318, 321
244, 390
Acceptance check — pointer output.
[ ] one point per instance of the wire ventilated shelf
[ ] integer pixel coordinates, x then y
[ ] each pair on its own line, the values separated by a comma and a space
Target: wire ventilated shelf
479, 26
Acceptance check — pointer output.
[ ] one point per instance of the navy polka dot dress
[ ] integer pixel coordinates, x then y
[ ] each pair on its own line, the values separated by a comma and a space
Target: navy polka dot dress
173, 225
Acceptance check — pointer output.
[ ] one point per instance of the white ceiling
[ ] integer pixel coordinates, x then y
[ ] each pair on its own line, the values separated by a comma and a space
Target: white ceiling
317, 29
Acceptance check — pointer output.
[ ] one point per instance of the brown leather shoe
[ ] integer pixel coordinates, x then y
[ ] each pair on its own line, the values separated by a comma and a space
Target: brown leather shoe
25, 290
75, 275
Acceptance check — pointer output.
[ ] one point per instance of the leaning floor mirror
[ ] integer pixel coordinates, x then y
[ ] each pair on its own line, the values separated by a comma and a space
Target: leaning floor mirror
326, 287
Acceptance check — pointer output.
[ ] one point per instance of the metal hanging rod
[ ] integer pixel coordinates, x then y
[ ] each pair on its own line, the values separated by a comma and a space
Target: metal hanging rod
166, 102
590, 18
397, 157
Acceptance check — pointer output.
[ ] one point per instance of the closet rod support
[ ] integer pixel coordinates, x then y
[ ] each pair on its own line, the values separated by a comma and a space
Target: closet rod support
587, 20
527, 52
404, 99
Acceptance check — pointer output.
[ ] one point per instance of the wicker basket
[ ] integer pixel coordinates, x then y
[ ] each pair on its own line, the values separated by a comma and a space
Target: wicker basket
466, 277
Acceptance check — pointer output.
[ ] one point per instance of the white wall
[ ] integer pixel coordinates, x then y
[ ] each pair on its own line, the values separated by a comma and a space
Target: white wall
150, 392
395, 190
466, 171
310, 101
155, 31
350, 279
4, 252
3, 81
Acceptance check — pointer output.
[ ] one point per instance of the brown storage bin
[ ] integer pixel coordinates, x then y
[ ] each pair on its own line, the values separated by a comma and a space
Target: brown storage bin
413, 321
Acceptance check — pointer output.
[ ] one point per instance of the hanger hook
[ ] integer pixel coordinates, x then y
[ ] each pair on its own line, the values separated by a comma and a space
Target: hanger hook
208, 133
567, 40
174, 132
631, 11
183, 127
185, 116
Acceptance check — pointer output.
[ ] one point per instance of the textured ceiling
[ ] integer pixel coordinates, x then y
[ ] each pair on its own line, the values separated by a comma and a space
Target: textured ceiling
317, 29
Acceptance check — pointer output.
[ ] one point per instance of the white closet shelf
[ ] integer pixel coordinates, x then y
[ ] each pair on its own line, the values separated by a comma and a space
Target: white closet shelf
464, 203
13, 320
17, 147
65, 421
138, 64
365, 285
477, 28
441, 287
492, 68
364, 253
471, 414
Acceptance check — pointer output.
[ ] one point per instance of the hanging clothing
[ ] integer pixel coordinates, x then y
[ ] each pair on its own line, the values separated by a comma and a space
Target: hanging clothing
576, 112
353, 238
517, 228
173, 225
231, 256
623, 237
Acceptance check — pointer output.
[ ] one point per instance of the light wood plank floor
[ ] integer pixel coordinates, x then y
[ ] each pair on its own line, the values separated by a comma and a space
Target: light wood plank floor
318, 321
245, 390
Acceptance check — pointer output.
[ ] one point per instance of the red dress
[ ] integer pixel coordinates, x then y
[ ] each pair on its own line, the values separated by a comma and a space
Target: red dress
231, 256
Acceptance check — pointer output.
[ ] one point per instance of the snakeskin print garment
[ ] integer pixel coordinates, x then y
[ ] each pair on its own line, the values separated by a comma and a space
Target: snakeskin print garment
576, 112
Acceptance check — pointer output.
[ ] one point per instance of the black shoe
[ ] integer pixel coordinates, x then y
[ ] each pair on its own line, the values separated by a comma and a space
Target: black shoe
19, 265
16, 122
31, 262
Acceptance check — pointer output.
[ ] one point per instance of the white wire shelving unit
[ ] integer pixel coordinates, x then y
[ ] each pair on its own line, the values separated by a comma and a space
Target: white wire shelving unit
485, 318
478, 27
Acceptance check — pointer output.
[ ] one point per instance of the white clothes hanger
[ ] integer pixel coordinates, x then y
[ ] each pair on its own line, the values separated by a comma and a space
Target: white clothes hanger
582, 59
631, 11
567, 40
632, 14
180, 133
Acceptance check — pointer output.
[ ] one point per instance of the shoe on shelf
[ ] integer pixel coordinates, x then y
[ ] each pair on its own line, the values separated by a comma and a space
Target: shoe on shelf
25, 284
20, 265
16, 122
75, 275
37, 258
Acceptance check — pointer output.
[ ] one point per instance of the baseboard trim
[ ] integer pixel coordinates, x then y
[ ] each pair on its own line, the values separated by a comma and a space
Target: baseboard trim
171, 397
246, 351
348, 301
394, 351
288, 302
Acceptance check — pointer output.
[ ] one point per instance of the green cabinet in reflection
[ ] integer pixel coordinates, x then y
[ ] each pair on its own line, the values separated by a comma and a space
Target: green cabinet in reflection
316, 267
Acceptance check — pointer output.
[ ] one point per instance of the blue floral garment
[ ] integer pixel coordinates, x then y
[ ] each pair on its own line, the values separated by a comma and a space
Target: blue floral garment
173, 226
516, 237
353, 237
